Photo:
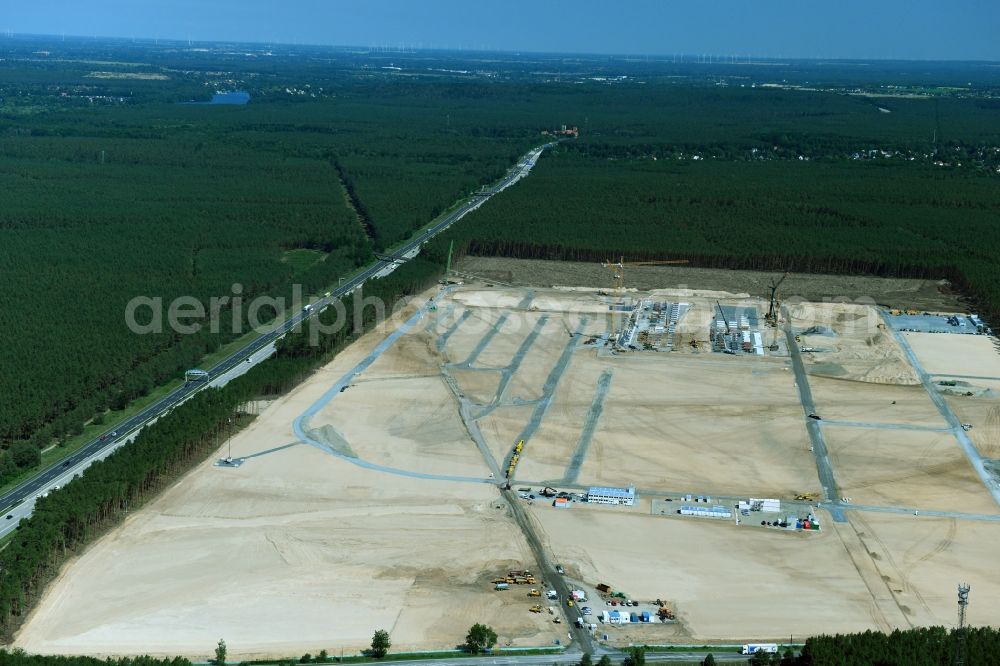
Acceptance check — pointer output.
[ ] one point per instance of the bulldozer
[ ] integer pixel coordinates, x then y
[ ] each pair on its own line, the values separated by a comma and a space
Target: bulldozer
535, 609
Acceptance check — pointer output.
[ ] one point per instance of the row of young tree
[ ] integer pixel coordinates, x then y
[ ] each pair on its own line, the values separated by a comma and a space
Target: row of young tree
68, 519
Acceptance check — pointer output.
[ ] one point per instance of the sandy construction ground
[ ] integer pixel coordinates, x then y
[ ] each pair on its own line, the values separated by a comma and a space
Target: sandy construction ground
853, 346
941, 353
906, 468
920, 561
878, 571
297, 551
300, 550
846, 400
293, 552
983, 412
718, 425
726, 582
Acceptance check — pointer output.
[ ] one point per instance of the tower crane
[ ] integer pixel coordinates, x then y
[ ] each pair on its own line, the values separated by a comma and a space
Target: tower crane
618, 269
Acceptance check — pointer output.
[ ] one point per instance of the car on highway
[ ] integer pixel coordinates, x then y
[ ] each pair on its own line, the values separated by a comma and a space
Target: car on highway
816, 417
9, 516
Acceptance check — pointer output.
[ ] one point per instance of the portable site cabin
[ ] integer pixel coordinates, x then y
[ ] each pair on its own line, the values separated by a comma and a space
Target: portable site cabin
614, 617
603, 495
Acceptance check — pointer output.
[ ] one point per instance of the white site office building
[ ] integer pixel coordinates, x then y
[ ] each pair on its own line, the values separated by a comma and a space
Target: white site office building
602, 495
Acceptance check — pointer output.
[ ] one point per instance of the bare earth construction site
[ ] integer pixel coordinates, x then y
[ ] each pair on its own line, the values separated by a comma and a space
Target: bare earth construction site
370, 496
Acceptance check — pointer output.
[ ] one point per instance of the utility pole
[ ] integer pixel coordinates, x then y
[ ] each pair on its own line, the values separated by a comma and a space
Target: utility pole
451, 247
963, 601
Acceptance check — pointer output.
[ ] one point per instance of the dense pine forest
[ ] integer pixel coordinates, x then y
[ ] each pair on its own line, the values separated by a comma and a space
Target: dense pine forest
838, 216
930, 646
105, 201
114, 186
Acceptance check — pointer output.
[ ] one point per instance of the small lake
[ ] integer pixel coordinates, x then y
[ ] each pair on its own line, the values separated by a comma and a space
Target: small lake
235, 98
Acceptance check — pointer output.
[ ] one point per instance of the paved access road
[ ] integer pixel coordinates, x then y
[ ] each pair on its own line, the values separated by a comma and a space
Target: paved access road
22, 497
823, 467
562, 658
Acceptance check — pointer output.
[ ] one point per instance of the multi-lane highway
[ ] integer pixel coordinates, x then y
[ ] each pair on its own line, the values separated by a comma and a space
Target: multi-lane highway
19, 502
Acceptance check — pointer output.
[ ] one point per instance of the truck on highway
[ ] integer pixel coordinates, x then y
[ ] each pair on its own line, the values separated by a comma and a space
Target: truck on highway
754, 648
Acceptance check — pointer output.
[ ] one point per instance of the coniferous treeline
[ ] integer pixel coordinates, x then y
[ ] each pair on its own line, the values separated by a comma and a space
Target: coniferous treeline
908, 220
85, 508
106, 204
924, 646
18, 658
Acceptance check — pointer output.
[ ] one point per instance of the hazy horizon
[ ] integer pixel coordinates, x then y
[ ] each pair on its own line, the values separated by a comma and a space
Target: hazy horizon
917, 30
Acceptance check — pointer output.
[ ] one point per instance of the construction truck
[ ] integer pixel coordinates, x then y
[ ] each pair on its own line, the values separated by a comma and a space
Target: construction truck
534, 593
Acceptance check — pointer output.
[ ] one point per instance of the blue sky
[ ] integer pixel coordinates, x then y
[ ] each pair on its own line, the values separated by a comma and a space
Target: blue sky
886, 29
